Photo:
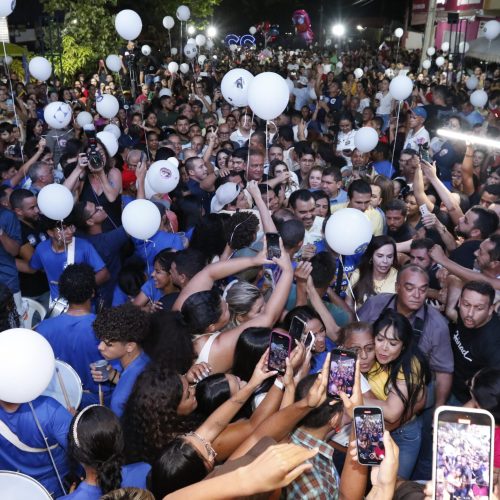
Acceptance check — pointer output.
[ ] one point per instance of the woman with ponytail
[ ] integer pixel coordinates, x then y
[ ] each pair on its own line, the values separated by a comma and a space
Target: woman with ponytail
95, 441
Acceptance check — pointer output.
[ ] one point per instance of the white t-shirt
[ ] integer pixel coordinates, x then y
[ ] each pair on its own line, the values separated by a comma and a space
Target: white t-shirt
415, 139
385, 101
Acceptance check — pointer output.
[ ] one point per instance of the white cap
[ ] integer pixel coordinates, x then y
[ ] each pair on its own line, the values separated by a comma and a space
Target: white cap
303, 80
167, 92
225, 194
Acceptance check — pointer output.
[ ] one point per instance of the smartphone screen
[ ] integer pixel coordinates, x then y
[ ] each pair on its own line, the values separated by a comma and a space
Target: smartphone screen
341, 376
369, 429
463, 453
297, 329
273, 245
279, 350
423, 210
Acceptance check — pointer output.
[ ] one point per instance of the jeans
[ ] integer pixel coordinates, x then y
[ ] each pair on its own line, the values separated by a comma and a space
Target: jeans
408, 438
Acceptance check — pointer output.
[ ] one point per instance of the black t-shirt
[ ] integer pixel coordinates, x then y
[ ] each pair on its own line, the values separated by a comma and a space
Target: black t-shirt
404, 233
473, 349
32, 285
464, 254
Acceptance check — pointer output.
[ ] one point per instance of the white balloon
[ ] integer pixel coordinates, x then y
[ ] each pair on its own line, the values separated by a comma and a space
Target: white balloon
472, 82
113, 63
190, 51
27, 365
431, 51
399, 32
340, 65
348, 231
40, 68
200, 40
128, 24
6, 7
463, 47
366, 139
163, 176
109, 141
55, 201
184, 68
146, 50
268, 95
173, 67
440, 61
107, 106
252, 30
191, 41
491, 29
183, 13
426, 64
141, 219
358, 73
174, 51
479, 98
233, 47
202, 59
7, 60
168, 22
445, 46
401, 87
234, 86
209, 45
58, 114
84, 118
328, 42
114, 129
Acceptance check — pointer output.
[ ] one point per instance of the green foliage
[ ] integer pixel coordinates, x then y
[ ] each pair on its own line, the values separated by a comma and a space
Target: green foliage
76, 57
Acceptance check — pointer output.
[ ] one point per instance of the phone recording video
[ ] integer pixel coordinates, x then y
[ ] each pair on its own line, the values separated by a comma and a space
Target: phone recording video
369, 429
342, 370
279, 350
273, 245
463, 453
297, 329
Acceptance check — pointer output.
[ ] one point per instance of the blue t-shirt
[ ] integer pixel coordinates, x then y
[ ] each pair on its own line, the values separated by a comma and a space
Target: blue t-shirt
73, 340
126, 383
8, 271
133, 475
204, 197
160, 241
34, 460
150, 291
54, 263
384, 167
119, 297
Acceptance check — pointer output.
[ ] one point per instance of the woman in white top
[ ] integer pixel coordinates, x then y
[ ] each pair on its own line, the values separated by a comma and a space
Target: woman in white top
384, 99
345, 138
364, 98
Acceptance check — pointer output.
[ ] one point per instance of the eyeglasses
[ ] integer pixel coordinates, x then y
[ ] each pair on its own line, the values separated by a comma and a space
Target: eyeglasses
367, 349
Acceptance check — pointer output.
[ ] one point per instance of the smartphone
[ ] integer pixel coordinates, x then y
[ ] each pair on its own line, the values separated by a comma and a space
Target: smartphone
424, 152
279, 349
462, 459
309, 340
297, 329
424, 210
273, 245
369, 429
342, 370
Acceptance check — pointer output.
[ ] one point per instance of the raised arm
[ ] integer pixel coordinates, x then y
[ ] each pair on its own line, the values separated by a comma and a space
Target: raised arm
468, 171
419, 191
265, 215
332, 329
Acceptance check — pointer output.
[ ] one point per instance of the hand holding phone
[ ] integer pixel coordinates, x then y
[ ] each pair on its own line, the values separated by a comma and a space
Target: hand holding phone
280, 345
369, 430
424, 210
342, 373
297, 329
273, 245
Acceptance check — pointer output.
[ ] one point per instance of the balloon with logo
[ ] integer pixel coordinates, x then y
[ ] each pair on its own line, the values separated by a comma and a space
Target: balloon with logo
479, 98
113, 63
128, 24
348, 231
109, 141
202, 59
27, 364
107, 106
491, 29
58, 114
268, 95
55, 201
40, 68
146, 50
84, 118
401, 87
183, 13
141, 219
163, 175
366, 139
168, 22
190, 51
234, 86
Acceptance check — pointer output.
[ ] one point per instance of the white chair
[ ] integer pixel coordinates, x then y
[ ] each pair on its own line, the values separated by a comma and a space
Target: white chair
30, 308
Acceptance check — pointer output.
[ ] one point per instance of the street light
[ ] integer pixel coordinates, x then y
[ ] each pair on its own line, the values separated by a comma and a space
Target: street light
359, 27
338, 30
211, 32
191, 30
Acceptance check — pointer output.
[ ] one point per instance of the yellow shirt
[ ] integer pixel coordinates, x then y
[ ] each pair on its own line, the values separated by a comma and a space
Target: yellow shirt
373, 215
387, 285
377, 378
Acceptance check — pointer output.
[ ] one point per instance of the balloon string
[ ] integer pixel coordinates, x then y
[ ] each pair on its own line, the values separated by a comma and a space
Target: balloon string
7, 69
249, 138
37, 422
349, 286
396, 133
149, 269
64, 242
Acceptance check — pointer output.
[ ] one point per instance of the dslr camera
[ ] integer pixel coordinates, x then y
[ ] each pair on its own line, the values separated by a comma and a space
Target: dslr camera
95, 159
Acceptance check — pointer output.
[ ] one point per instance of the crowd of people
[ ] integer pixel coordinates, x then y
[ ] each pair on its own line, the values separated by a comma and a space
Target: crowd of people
187, 406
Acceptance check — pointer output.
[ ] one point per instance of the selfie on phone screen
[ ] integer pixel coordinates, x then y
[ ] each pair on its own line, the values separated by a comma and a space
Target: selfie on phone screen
342, 369
279, 350
369, 427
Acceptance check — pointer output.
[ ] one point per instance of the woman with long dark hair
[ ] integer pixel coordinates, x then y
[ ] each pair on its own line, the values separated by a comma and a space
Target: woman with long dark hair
95, 440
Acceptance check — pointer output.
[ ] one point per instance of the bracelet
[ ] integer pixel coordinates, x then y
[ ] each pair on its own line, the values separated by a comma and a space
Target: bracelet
279, 384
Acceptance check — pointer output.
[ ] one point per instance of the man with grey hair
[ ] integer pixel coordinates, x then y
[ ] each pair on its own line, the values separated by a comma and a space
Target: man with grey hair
41, 175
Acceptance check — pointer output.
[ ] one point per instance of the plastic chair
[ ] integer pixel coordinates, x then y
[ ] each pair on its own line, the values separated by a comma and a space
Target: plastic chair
32, 307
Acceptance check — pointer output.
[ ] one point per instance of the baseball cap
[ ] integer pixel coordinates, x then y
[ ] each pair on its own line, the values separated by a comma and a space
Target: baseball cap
303, 80
420, 111
166, 92
225, 194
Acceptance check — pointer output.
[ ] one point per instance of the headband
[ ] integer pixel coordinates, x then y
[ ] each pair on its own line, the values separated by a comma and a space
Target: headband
77, 420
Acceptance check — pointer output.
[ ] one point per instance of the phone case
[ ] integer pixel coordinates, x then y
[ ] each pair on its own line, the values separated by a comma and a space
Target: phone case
370, 448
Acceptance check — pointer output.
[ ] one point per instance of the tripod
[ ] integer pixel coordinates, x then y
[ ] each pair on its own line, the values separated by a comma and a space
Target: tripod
132, 73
